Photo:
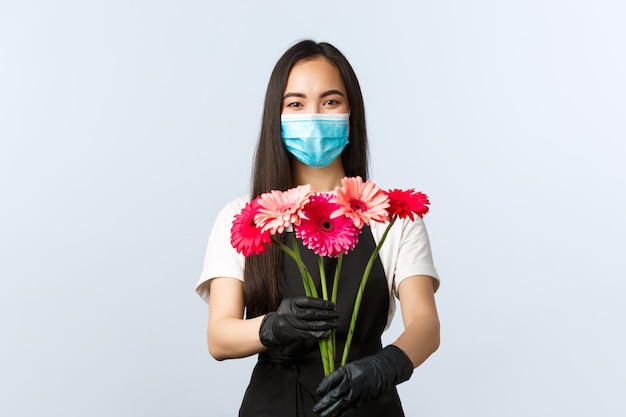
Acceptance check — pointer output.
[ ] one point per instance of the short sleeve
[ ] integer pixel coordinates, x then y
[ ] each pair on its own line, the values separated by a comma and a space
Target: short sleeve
221, 259
406, 251
414, 254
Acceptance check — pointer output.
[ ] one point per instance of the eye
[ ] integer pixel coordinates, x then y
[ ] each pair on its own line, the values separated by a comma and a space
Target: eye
331, 102
293, 104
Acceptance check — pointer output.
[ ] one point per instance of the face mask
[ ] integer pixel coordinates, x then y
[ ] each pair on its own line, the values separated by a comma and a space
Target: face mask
315, 139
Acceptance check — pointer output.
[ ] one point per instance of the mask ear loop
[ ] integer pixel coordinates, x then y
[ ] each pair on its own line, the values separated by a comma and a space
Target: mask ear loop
349, 120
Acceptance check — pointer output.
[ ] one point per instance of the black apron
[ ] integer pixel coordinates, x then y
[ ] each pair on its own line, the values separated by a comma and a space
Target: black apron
285, 378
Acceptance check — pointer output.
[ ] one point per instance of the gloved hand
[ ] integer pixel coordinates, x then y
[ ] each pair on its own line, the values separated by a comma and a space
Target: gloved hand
298, 318
362, 380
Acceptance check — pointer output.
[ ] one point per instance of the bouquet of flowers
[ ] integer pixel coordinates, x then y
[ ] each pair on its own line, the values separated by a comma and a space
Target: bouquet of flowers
329, 224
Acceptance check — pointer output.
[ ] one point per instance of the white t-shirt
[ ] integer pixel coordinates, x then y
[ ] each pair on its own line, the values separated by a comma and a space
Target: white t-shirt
405, 253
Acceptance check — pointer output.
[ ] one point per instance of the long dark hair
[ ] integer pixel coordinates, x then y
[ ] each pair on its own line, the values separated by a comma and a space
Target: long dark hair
263, 274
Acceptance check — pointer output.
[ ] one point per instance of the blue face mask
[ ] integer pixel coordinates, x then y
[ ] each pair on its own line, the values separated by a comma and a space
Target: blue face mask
315, 140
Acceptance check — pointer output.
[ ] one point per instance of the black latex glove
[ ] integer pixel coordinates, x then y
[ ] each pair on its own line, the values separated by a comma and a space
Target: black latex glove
362, 380
298, 318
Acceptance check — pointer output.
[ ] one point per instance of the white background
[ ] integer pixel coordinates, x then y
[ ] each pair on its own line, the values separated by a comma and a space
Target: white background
126, 125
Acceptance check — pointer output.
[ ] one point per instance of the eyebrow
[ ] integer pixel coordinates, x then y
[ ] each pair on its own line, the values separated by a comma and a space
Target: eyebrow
331, 92
324, 94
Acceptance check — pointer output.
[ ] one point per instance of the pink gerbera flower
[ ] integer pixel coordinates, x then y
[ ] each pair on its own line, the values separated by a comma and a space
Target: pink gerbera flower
406, 203
245, 236
324, 235
363, 202
279, 209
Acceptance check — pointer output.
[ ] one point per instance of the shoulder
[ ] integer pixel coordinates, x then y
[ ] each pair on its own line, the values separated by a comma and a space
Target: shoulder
237, 204
221, 259
399, 230
406, 251
233, 207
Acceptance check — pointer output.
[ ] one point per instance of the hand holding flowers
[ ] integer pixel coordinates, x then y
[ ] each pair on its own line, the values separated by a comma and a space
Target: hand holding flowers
328, 224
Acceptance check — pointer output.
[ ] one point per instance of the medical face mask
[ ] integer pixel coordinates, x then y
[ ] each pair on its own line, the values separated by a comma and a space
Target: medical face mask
315, 139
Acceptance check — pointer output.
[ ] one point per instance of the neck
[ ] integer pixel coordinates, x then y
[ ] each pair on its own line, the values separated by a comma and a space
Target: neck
322, 179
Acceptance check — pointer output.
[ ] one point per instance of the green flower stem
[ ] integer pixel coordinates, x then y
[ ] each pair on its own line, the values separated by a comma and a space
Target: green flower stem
311, 291
307, 275
359, 295
320, 264
336, 278
333, 339
330, 347
296, 257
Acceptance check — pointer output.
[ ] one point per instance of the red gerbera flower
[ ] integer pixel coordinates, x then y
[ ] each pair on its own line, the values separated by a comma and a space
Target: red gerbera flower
279, 209
362, 201
245, 236
406, 203
324, 235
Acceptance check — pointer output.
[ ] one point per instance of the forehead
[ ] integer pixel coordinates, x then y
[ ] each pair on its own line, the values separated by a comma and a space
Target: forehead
314, 74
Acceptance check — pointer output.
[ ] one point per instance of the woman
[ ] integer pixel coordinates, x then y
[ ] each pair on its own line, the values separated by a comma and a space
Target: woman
314, 84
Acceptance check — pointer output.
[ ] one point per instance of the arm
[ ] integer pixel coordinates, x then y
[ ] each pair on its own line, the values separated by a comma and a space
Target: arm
421, 321
228, 334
